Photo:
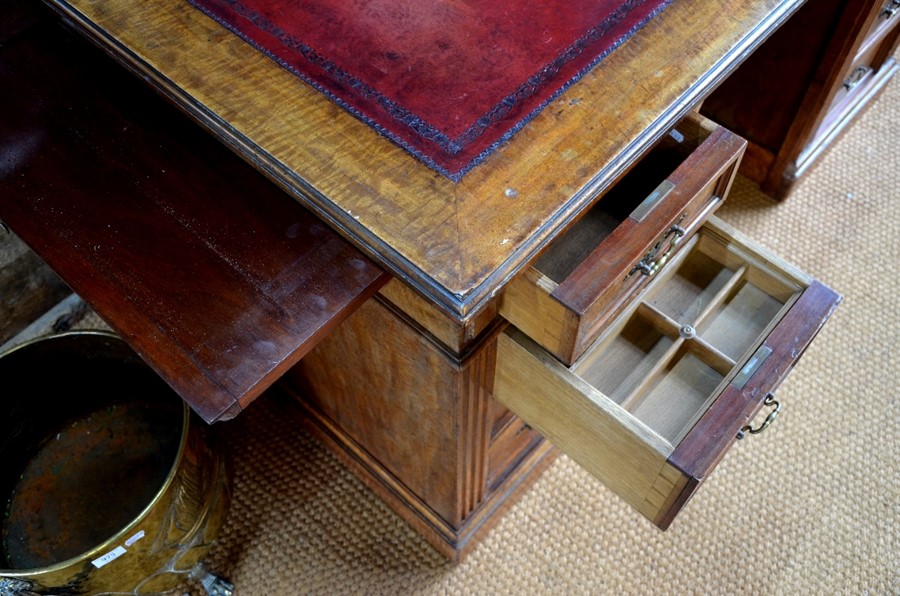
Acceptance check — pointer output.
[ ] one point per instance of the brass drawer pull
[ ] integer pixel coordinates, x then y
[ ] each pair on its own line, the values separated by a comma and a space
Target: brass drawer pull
772, 403
652, 263
856, 77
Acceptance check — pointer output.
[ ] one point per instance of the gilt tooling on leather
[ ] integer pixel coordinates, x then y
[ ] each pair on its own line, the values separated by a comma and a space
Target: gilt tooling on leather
448, 80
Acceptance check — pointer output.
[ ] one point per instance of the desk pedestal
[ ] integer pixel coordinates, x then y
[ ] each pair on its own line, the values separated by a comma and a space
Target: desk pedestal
415, 420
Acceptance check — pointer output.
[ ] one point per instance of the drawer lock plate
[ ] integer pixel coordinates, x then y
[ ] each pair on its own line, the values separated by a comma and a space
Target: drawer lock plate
752, 366
652, 200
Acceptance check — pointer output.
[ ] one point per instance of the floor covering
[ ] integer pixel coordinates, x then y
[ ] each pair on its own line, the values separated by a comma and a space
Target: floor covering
810, 506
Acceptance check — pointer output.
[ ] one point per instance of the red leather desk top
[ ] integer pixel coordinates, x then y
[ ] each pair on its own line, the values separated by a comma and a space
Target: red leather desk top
449, 80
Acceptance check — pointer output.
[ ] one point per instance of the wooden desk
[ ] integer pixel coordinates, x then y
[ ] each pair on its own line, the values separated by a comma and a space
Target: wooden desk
416, 223
403, 389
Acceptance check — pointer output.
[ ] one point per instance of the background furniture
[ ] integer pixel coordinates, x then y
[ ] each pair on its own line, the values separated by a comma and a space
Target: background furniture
795, 95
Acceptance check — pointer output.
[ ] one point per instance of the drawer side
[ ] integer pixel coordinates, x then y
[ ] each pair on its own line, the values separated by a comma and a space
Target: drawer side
576, 418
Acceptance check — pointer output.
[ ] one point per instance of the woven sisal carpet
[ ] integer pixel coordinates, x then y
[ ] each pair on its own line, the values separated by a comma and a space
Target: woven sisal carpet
810, 506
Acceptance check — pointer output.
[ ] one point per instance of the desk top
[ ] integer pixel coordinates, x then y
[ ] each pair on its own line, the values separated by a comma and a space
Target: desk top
457, 243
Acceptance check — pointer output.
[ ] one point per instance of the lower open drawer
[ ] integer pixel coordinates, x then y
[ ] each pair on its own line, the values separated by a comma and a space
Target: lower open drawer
655, 402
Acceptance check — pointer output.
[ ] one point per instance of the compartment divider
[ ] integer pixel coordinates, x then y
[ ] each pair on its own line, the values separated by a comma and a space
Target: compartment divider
721, 296
660, 320
639, 382
771, 283
668, 355
718, 249
711, 355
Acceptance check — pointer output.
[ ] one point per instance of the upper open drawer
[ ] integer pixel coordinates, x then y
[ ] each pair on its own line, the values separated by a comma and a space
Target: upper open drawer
655, 402
218, 279
589, 274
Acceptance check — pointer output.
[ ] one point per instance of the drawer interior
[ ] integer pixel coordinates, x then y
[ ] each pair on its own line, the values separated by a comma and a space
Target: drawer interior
652, 405
667, 358
641, 185
589, 274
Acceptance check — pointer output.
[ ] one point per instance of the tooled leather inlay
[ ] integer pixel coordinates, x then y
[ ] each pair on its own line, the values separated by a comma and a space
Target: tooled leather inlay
448, 80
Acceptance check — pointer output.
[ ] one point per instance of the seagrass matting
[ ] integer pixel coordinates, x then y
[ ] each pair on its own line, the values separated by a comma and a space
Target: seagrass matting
811, 506
448, 80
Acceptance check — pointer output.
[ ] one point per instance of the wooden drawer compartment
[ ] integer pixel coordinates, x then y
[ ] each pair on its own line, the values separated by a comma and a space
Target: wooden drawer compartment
655, 402
591, 272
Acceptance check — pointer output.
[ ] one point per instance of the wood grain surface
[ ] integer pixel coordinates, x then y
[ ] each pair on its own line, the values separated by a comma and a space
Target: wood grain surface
215, 277
456, 243
652, 417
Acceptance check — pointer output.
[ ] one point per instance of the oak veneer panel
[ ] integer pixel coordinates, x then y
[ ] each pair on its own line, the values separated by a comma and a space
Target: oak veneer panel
415, 422
421, 412
455, 243
218, 280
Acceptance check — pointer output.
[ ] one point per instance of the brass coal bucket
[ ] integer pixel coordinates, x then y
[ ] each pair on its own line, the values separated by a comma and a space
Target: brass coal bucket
109, 485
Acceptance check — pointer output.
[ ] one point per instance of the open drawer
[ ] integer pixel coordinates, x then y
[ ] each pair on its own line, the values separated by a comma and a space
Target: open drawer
655, 402
589, 274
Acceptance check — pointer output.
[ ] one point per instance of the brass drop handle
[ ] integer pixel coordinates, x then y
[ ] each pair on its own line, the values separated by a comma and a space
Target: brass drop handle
771, 402
675, 234
651, 264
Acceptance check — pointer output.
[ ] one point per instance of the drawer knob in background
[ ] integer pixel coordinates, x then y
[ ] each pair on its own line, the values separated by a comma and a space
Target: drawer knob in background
856, 77
776, 408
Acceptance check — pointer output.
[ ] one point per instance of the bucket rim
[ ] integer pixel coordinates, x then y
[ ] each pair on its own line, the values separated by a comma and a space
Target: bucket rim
119, 537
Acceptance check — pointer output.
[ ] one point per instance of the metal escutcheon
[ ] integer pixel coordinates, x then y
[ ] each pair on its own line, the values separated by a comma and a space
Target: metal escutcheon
771, 402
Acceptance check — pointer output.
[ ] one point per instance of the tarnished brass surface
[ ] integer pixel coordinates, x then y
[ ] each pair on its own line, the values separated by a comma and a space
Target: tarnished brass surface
97, 445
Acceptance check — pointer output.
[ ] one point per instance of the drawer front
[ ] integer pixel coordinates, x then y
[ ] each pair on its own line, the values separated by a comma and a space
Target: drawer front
873, 51
659, 398
592, 271
855, 78
886, 17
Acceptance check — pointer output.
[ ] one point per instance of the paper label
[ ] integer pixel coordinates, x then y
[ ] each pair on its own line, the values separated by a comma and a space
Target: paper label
134, 538
108, 557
